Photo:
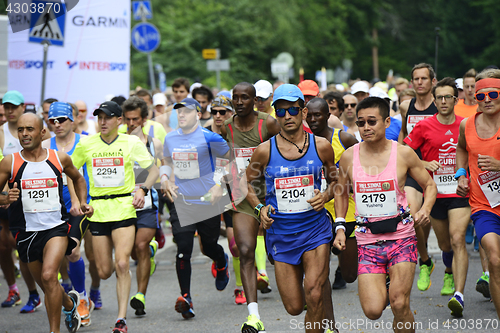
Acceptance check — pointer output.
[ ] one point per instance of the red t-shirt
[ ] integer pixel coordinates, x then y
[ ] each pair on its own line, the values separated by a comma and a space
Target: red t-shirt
438, 142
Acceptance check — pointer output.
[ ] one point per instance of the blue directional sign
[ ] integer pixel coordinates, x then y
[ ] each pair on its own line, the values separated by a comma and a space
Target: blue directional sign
49, 23
145, 37
142, 9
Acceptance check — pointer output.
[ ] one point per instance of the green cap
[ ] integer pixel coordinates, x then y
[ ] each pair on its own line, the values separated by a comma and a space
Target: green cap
13, 97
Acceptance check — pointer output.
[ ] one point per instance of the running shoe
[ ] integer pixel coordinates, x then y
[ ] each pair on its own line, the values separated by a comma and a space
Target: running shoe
456, 305
222, 278
95, 297
12, 300
483, 285
33, 303
86, 321
239, 297
424, 277
138, 302
67, 287
17, 272
252, 325
469, 234
184, 306
160, 237
339, 282
263, 283
154, 248
214, 269
73, 320
448, 284
120, 327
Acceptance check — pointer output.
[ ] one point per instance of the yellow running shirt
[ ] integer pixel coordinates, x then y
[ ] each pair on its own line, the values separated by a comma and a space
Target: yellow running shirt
339, 149
111, 171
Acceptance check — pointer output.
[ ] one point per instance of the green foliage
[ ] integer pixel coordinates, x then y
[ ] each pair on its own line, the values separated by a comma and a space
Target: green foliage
320, 33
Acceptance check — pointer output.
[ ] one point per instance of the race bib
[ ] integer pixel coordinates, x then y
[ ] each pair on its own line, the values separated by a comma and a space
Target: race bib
445, 180
221, 165
186, 165
148, 202
376, 199
40, 195
324, 184
242, 157
489, 181
108, 172
292, 193
413, 120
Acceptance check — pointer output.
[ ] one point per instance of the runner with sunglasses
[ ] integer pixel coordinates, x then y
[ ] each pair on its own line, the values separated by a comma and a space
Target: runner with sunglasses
420, 107
478, 151
187, 177
61, 117
377, 169
299, 231
245, 131
436, 137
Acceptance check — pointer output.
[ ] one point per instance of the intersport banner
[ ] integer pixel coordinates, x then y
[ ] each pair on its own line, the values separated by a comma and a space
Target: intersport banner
93, 63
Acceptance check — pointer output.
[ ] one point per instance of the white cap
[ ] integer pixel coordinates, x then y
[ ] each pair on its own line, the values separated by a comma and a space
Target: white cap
194, 86
460, 83
339, 87
159, 99
263, 88
378, 92
360, 86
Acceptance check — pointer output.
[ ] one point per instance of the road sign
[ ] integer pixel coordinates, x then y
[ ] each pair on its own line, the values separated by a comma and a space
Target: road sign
49, 24
218, 65
142, 9
210, 53
145, 37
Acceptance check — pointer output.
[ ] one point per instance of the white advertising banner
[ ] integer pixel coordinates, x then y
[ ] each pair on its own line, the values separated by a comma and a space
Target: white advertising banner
93, 63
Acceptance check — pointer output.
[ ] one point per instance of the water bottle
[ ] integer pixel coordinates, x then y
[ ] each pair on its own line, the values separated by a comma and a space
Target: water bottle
208, 196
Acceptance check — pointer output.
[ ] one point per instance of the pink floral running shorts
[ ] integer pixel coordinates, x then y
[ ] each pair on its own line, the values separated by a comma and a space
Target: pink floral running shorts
376, 258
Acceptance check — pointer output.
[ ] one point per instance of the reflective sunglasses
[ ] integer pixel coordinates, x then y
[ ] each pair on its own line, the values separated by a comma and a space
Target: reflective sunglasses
491, 94
262, 99
58, 120
361, 123
352, 105
214, 112
292, 111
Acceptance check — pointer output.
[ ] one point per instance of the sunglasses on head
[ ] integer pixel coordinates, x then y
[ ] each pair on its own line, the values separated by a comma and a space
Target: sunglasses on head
352, 105
491, 94
361, 123
58, 120
292, 111
222, 112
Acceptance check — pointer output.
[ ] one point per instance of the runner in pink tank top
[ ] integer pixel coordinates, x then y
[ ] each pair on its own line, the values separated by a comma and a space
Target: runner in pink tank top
377, 169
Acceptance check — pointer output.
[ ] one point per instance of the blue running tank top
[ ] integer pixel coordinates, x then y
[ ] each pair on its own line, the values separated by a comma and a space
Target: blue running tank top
66, 195
289, 184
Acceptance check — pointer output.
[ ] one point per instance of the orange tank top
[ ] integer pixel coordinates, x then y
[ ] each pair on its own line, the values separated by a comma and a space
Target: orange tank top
484, 185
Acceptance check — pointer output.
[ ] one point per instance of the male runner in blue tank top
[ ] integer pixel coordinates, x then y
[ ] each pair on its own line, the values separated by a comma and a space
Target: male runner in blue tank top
299, 231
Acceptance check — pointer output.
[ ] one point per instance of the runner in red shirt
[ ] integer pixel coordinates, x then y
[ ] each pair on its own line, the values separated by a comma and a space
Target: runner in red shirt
437, 139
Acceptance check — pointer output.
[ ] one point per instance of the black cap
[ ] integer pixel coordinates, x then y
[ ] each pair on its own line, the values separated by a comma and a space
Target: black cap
110, 108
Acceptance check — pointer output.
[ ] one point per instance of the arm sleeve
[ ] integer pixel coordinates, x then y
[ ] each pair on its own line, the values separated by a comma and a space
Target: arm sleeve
140, 154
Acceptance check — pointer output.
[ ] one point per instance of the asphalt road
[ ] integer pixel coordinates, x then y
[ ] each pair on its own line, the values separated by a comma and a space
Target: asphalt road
216, 311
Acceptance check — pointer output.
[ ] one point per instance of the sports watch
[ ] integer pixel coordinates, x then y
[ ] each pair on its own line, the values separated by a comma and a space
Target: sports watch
145, 189
257, 209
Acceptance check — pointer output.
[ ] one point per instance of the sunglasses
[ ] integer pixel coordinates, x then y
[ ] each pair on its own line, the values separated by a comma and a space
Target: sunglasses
491, 94
292, 111
262, 99
352, 105
361, 123
58, 120
214, 112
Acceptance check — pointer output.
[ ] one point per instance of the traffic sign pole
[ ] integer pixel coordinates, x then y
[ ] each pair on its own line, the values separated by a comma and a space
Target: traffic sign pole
150, 60
45, 44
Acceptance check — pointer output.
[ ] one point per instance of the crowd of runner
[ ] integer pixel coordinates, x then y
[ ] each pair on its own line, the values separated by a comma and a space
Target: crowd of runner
295, 174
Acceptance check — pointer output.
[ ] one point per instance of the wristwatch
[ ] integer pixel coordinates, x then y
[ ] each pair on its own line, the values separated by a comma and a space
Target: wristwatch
145, 189
257, 209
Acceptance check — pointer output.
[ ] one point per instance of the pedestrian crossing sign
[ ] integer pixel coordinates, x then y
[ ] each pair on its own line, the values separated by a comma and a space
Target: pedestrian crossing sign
47, 22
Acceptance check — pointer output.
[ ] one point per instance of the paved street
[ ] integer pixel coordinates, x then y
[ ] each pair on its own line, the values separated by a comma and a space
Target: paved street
216, 311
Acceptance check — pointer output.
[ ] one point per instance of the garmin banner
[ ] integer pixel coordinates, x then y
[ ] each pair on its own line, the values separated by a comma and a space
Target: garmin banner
89, 58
